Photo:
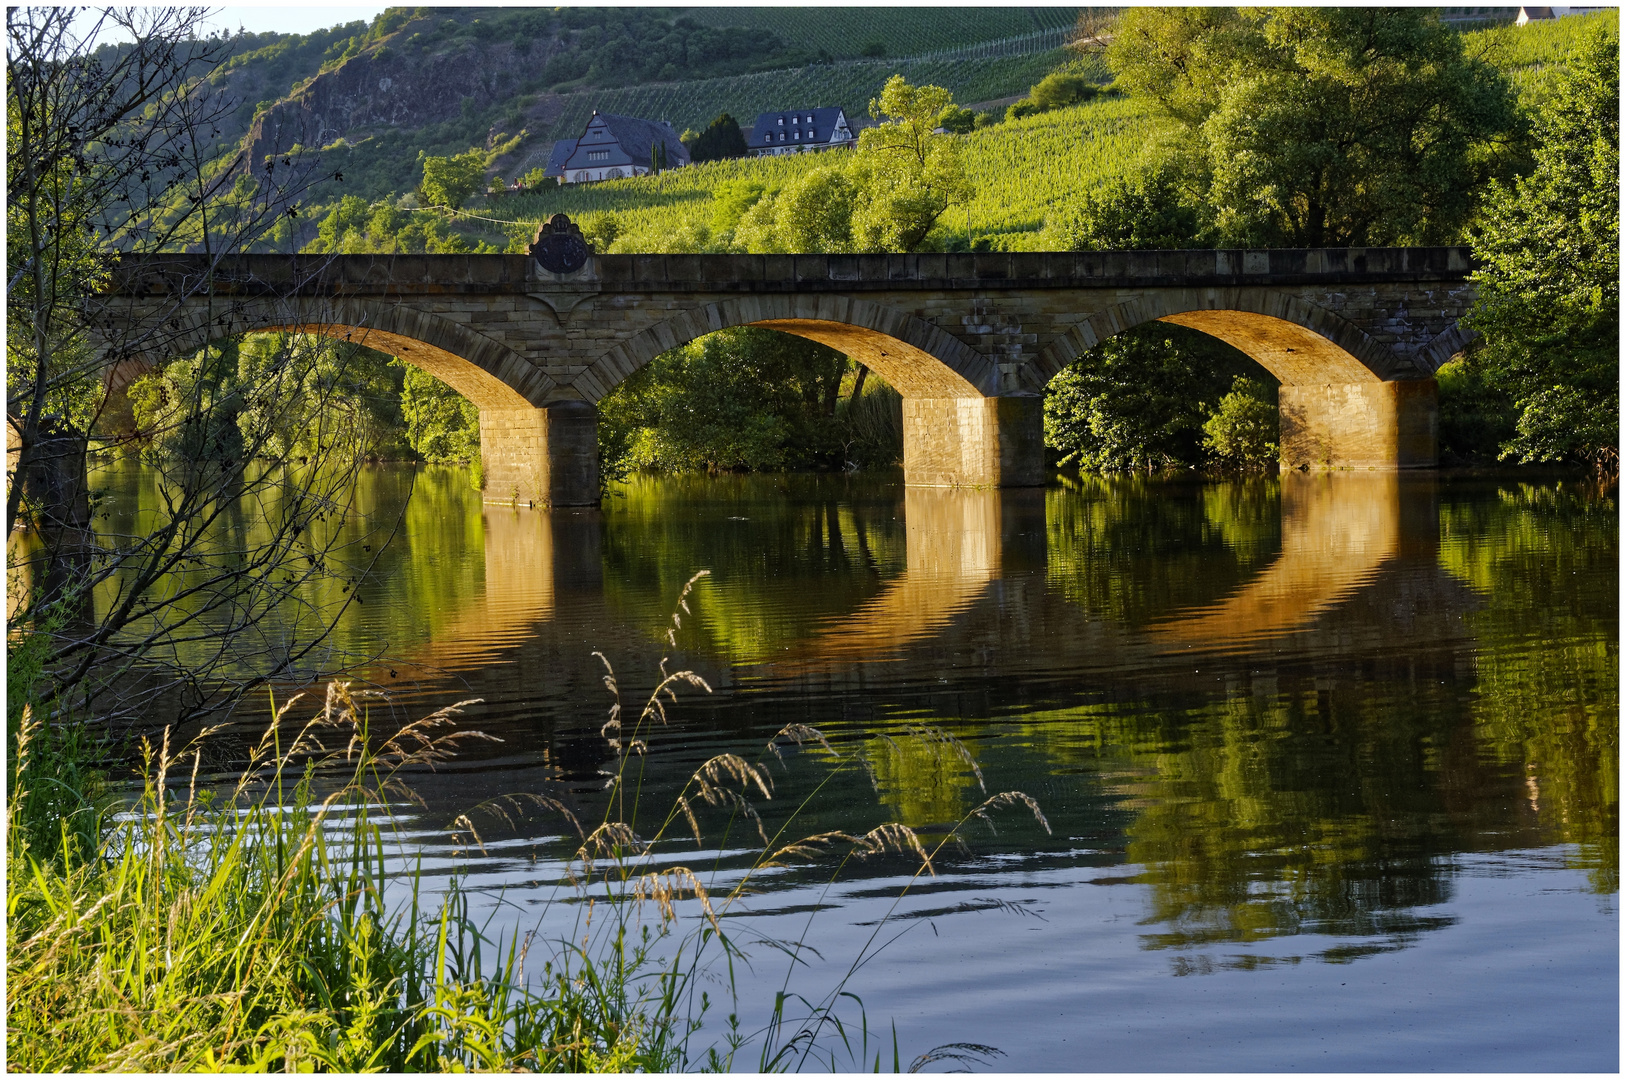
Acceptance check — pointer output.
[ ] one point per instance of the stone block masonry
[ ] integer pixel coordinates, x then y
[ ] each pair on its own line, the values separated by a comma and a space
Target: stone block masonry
970, 341
540, 458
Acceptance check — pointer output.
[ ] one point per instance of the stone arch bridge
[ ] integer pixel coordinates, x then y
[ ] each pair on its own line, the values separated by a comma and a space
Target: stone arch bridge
970, 340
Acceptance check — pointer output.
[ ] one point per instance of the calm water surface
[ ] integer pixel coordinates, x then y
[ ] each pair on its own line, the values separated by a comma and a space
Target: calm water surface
1330, 763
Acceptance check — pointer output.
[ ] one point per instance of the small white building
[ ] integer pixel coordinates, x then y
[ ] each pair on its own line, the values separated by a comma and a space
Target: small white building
800, 131
615, 147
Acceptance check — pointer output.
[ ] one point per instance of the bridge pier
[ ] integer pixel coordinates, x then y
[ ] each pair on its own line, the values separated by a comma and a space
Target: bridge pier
543, 457
973, 442
1368, 425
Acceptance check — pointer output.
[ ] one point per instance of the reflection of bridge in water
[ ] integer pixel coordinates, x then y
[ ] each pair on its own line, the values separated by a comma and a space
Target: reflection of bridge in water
971, 584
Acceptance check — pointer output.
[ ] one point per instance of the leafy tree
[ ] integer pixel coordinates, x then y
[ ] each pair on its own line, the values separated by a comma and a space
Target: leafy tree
907, 174
957, 120
1128, 214
451, 181
111, 148
1319, 126
1245, 427
441, 425
1139, 399
191, 407
721, 139
739, 399
1477, 416
1549, 283
813, 213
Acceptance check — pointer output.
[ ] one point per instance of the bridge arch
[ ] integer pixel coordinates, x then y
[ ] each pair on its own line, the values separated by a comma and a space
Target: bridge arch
1298, 342
490, 375
917, 358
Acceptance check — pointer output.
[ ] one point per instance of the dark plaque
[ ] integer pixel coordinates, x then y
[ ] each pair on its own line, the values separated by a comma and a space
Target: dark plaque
559, 246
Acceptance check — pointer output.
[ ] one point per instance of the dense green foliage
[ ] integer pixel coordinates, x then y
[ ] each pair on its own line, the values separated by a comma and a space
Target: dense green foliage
1243, 430
1141, 399
743, 399
449, 181
721, 139
283, 395
1549, 286
441, 424
1318, 127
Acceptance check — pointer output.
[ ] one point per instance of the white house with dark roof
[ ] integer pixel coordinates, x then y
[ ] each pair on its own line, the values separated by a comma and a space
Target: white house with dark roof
799, 131
615, 147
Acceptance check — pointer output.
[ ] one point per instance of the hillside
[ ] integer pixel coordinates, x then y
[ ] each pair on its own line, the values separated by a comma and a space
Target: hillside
371, 97
1021, 169
845, 32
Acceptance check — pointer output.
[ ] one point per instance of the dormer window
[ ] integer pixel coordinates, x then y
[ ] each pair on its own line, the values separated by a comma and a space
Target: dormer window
798, 136
812, 134
781, 121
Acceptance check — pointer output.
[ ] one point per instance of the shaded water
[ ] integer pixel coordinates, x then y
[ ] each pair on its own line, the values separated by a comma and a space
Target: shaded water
1331, 762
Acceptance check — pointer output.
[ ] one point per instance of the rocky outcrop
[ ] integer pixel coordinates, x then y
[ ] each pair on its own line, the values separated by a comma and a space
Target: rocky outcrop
392, 84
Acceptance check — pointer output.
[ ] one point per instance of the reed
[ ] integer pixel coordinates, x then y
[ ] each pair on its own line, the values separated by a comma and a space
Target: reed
277, 922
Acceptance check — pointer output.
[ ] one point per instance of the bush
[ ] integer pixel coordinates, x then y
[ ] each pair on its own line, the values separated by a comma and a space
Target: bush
1060, 89
1477, 417
1243, 431
1146, 212
1139, 400
957, 120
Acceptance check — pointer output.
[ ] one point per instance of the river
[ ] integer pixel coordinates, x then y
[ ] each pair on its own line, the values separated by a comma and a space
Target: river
1329, 763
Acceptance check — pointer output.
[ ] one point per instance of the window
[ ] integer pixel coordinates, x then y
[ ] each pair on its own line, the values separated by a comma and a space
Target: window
598, 155
812, 134
781, 121
810, 119
798, 136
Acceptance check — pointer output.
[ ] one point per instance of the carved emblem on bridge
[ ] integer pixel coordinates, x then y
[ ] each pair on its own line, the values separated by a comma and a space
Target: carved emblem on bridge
559, 246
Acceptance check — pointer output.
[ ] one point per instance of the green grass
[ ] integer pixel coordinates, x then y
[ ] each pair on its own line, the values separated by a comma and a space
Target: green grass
843, 31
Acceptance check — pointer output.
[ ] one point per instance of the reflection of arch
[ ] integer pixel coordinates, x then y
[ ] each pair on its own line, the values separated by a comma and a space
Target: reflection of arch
954, 551
917, 358
518, 595
487, 373
1337, 530
1295, 340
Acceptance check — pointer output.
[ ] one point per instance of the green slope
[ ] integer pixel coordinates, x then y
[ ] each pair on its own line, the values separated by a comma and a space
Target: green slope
905, 31
1021, 169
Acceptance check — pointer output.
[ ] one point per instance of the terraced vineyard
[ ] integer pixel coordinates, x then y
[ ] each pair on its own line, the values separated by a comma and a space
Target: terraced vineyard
1531, 54
970, 76
906, 31
1021, 169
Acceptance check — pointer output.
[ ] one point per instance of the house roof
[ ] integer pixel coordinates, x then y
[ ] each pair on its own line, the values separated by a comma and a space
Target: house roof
562, 149
824, 121
636, 136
